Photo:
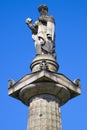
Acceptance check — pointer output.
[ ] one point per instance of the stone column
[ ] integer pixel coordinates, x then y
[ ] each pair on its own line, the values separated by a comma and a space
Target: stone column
44, 92
44, 113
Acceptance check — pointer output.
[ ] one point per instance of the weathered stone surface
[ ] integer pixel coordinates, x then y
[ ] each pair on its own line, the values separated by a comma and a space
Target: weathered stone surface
39, 88
44, 113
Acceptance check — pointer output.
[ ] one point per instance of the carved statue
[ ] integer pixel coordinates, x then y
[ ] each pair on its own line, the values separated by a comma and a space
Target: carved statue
11, 83
77, 82
43, 32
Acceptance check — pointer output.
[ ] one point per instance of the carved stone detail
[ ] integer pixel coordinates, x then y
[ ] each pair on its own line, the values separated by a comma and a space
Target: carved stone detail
43, 65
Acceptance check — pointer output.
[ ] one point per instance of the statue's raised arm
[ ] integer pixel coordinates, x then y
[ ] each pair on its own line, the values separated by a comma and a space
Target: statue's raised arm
28, 22
43, 32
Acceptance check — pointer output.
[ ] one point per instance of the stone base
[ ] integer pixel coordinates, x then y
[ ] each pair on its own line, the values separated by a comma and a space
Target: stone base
44, 113
44, 62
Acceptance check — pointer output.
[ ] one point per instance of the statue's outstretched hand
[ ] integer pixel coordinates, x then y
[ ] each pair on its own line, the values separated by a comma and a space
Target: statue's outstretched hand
28, 20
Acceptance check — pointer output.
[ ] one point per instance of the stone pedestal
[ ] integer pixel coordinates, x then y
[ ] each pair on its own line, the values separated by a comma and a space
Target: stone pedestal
44, 113
46, 62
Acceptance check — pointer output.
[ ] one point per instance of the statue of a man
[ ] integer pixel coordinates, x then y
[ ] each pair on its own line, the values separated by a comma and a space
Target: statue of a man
43, 32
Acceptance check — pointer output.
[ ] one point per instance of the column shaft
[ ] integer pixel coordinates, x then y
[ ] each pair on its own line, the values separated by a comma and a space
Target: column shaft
44, 113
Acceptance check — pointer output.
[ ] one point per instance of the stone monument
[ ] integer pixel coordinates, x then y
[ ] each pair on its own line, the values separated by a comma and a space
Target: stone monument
44, 91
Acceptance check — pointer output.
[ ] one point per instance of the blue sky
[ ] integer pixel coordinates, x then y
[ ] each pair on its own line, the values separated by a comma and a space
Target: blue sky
17, 52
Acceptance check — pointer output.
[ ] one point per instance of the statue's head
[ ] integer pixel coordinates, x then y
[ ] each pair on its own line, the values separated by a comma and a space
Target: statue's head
43, 9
